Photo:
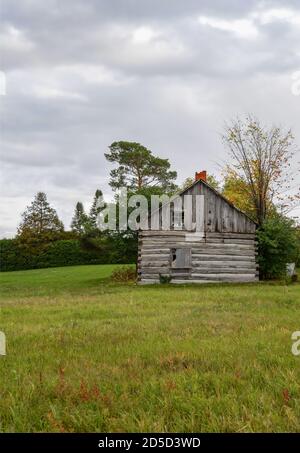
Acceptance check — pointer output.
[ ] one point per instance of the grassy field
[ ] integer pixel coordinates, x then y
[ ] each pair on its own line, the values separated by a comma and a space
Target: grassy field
86, 354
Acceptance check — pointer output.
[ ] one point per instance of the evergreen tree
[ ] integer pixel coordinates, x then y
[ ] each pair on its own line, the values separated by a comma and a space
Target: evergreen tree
96, 208
40, 221
80, 220
137, 168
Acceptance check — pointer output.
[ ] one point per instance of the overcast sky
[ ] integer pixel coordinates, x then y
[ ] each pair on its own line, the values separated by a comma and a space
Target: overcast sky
81, 74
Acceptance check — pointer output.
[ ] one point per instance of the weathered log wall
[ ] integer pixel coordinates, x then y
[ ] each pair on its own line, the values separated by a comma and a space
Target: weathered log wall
226, 257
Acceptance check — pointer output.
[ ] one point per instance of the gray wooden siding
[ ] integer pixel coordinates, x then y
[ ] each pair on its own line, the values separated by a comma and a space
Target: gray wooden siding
224, 251
219, 215
227, 256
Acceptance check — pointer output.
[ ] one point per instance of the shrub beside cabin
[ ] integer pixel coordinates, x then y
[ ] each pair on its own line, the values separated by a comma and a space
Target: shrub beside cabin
224, 251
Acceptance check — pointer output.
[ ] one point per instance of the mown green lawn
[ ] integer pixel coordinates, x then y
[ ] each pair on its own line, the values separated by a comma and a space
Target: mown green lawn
87, 354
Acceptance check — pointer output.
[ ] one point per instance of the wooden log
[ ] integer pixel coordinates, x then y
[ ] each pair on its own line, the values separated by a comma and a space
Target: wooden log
154, 270
199, 253
177, 235
165, 243
162, 233
157, 256
223, 276
223, 271
230, 235
158, 264
156, 247
203, 258
201, 245
196, 250
148, 281
153, 262
239, 241
191, 281
151, 276
222, 264
209, 240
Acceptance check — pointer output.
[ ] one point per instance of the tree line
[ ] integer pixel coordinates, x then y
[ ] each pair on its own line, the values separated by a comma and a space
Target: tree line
259, 178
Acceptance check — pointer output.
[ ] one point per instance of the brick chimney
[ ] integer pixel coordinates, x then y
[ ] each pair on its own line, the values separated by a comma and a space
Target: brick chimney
200, 175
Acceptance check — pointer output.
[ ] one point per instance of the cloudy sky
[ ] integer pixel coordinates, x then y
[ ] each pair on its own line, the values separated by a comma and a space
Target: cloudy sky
81, 74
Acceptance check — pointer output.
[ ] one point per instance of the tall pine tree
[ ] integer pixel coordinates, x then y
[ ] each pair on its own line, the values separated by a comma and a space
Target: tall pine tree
80, 220
97, 206
40, 221
137, 168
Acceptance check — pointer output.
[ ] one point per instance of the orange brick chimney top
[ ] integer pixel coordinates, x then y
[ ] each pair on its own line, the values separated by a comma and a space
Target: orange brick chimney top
200, 175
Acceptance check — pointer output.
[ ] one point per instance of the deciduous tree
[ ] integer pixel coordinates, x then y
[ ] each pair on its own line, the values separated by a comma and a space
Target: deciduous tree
261, 165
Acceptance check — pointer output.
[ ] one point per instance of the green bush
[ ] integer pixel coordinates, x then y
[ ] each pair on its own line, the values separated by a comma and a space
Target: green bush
277, 245
163, 279
294, 278
15, 255
124, 274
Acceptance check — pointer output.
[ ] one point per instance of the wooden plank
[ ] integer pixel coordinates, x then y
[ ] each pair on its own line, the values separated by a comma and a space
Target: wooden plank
216, 251
145, 233
238, 241
230, 235
230, 241
223, 271
150, 276
155, 270
173, 244
180, 275
166, 243
183, 258
155, 248
199, 214
222, 264
161, 260
224, 277
220, 215
165, 248
149, 281
153, 253
191, 281
204, 258
157, 264
204, 238
188, 213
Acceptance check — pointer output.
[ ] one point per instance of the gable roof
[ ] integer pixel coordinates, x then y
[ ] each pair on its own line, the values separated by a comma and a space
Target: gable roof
201, 181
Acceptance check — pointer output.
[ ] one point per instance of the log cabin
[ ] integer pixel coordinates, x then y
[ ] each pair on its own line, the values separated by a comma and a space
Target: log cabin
223, 249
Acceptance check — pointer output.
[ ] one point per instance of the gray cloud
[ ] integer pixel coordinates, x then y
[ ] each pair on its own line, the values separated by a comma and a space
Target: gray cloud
81, 74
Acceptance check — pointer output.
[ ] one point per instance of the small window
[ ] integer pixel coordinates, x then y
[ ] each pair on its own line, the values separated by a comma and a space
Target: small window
181, 258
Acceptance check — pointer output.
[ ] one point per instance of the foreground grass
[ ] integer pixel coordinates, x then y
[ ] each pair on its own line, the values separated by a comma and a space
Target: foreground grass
85, 354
